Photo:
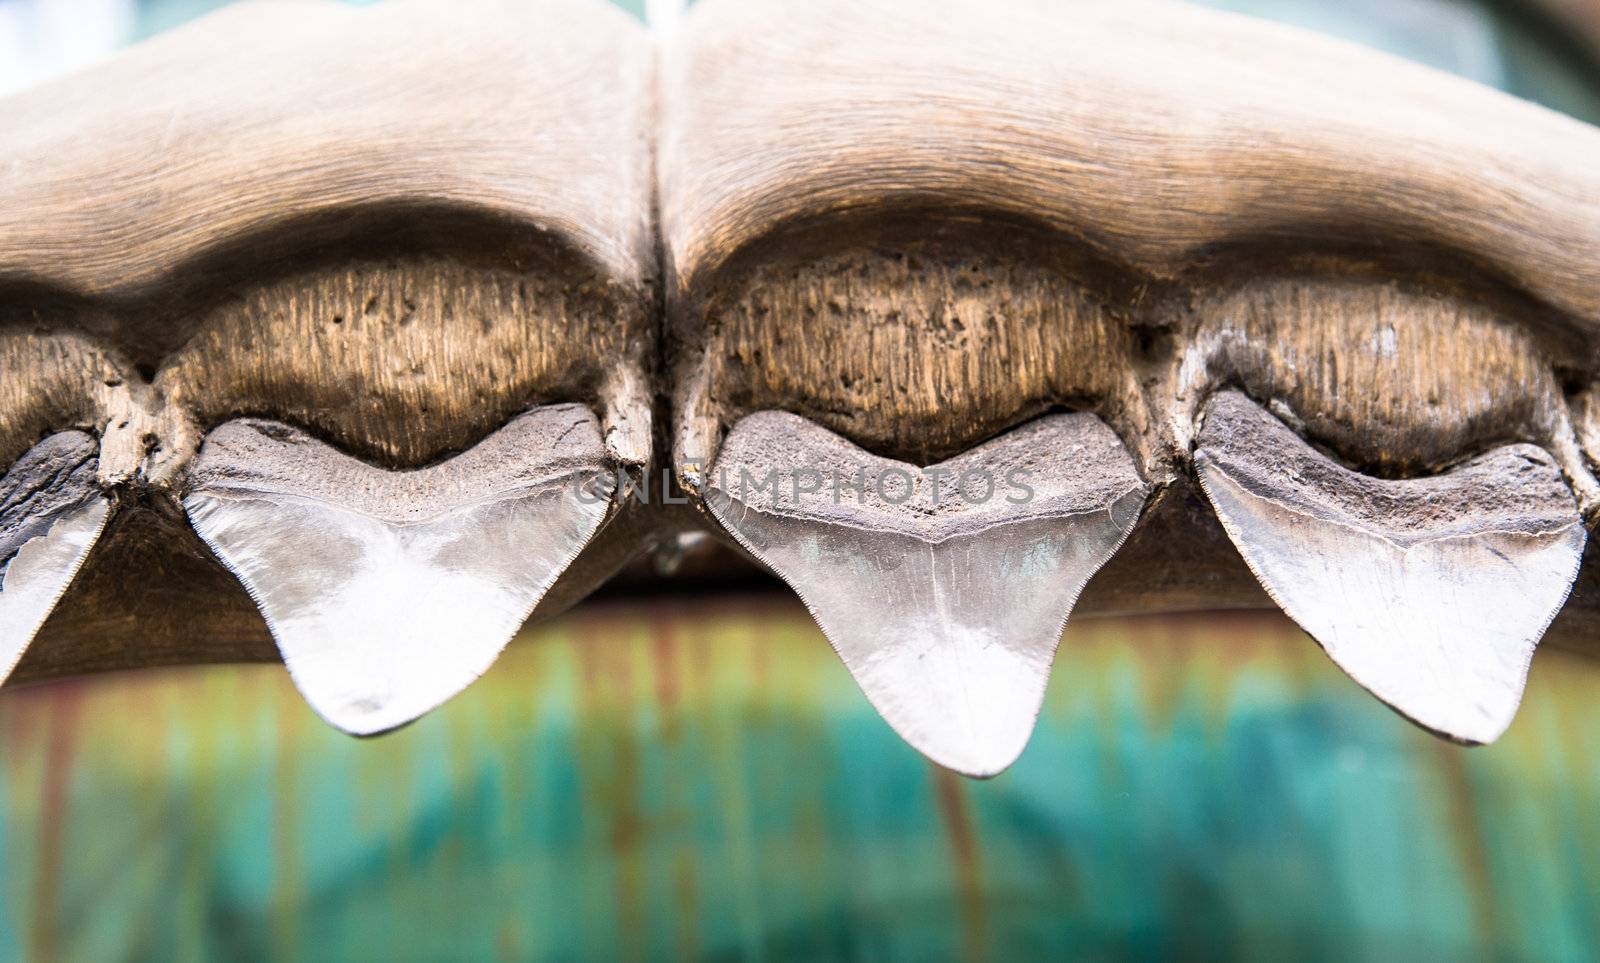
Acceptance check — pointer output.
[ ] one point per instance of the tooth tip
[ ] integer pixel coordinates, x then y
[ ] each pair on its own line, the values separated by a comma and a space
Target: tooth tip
964, 689
390, 701
365, 714
1466, 734
1480, 725
372, 658
982, 758
978, 727
983, 762
367, 720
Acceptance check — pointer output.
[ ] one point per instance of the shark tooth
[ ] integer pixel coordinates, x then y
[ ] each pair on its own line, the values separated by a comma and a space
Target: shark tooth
1430, 592
943, 589
390, 591
51, 515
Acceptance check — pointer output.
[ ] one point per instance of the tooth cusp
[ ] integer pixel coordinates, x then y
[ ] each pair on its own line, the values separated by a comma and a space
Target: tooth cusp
389, 592
947, 610
1432, 592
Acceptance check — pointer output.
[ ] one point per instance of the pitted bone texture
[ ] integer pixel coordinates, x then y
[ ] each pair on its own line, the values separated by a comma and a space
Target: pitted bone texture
917, 347
1398, 376
51, 382
404, 360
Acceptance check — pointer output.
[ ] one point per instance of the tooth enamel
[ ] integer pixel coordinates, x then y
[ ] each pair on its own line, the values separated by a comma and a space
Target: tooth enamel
51, 515
947, 616
389, 592
1430, 592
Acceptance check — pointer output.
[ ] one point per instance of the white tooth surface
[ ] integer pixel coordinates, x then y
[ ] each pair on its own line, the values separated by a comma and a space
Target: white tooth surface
948, 617
389, 592
51, 515
1430, 592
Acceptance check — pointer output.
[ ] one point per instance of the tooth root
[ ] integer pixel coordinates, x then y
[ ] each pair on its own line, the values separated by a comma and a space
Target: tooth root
947, 617
1431, 592
389, 592
51, 515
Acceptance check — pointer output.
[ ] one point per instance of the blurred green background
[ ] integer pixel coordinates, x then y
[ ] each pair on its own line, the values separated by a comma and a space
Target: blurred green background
700, 778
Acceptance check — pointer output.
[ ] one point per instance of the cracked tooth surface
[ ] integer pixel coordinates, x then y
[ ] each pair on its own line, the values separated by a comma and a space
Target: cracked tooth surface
946, 608
51, 514
389, 592
1430, 592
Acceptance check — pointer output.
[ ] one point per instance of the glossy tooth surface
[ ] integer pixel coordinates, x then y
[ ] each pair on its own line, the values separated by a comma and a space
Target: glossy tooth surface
51, 514
948, 614
1430, 592
389, 592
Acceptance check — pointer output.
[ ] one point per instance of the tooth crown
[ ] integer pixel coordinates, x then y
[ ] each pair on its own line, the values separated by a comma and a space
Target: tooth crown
389, 592
948, 617
1432, 593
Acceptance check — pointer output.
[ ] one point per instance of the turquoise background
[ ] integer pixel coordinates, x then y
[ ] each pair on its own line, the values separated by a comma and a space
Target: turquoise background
703, 779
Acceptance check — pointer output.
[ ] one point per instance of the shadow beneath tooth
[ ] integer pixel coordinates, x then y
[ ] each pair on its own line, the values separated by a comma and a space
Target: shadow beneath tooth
149, 594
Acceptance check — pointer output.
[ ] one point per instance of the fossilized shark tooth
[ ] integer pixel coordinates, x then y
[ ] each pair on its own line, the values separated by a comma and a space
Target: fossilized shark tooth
1430, 592
944, 589
389, 592
51, 515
